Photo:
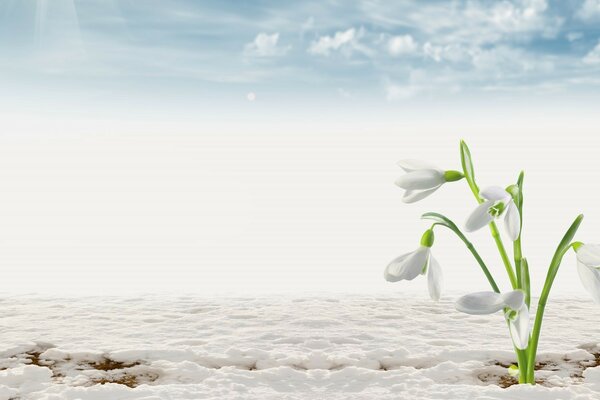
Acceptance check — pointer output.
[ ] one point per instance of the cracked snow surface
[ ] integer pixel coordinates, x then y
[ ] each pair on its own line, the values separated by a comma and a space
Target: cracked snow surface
278, 347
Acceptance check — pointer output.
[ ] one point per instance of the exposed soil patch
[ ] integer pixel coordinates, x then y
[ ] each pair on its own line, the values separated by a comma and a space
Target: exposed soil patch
105, 370
107, 364
576, 368
127, 379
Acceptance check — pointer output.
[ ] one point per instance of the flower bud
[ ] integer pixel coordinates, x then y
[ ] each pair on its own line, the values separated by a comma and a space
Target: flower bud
513, 190
513, 370
427, 238
452, 176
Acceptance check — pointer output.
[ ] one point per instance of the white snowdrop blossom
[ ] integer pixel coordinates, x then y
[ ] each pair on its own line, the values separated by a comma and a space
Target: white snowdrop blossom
422, 179
517, 313
497, 203
588, 267
410, 265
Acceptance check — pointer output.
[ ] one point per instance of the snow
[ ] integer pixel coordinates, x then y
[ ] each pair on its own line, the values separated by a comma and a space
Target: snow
386, 346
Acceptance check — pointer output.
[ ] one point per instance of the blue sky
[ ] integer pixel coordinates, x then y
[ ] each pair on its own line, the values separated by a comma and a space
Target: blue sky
182, 56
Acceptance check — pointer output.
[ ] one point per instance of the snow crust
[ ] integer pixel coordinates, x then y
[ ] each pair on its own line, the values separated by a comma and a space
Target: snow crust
277, 347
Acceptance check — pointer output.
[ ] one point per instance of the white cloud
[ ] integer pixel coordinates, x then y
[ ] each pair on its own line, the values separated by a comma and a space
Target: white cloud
511, 17
452, 52
403, 44
503, 61
473, 22
265, 45
593, 57
573, 36
346, 42
589, 10
434, 52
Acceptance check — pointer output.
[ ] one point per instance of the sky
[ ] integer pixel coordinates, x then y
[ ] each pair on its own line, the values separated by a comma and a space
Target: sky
111, 54
251, 146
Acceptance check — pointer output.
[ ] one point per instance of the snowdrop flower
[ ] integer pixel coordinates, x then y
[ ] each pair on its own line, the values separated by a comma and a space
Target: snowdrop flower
588, 266
422, 179
410, 265
498, 202
490, 302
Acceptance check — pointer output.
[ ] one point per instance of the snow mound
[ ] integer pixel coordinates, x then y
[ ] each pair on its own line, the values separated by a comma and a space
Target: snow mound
345, 347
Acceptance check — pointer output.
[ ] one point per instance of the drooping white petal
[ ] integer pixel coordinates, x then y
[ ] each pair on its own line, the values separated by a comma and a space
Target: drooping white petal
589, 254
494, 193
410, 165
519, 328
480, 217
434, 279
514, 299
414, 264
411, 196
421, 179
512, 221
480, 303
590, 278
392, 272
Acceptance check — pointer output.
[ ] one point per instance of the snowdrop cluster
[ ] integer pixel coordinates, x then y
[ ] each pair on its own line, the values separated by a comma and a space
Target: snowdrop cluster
494, 204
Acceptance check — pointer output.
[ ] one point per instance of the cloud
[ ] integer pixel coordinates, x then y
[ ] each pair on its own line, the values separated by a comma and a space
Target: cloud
420, 82
345, 42
475, 22
593, 57
511, 17
265, 45
589, 10
403, 44
509, 62
454, 53
475, 44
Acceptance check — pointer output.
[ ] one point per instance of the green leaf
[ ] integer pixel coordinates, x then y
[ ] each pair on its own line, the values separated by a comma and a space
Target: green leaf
466, 161
520, 194
565, 243
520, 179
468, 170
562, 248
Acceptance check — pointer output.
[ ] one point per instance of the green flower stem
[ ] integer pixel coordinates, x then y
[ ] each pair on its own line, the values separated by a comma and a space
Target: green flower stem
448, 223
518, 255
517, 251
507, 264
468, 172
522, 269
525, 284
521, 354
523, 362
562, 248
485, 270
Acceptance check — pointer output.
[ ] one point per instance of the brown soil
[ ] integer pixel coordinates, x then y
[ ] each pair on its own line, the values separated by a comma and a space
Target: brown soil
505, 381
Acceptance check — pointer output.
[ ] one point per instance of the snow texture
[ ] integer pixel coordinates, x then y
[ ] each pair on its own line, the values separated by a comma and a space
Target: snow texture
276, 347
